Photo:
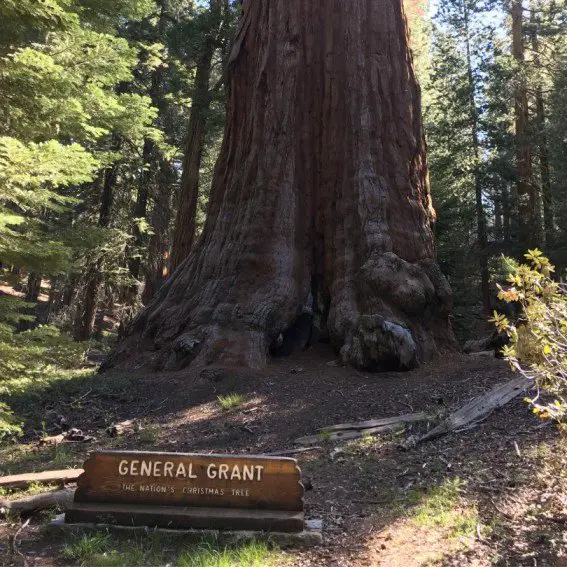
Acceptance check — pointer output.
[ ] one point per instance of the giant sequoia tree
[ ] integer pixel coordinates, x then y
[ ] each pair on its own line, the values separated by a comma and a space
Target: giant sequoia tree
319, 203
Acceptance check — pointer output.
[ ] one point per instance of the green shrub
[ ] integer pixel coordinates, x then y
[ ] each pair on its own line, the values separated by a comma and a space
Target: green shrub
230, 401
10, 428
538, 342
28, 358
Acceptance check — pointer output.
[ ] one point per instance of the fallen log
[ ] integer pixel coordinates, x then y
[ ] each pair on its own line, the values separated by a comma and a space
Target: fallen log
54, 499
292, 451
477, 410
349, 431
406, 418
61, 477
124, 427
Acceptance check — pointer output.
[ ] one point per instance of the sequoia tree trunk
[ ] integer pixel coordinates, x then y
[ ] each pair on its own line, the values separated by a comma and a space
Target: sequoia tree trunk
319, 203
185, 221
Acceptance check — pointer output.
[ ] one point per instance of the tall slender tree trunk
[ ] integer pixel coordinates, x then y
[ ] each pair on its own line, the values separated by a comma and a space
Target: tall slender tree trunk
479, 206
148, 155
506, 215
546, 195
159, 245
185, 220
141, 210
528, 221
320, 201
33, 289
498, 232
87, 310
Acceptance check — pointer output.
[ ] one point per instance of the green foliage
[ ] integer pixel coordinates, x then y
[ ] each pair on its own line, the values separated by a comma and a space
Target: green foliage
230, 401
100, 550
10, 428
254, 554
538, 342
443, 507
502, 267
85, 547
28, 357
65, 98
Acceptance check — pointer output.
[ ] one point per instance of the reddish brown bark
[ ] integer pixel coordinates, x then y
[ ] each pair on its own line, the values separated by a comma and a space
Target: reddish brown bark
528, 222
159, 245
479, 206
185, 220
320, 192
86, 312
546, 193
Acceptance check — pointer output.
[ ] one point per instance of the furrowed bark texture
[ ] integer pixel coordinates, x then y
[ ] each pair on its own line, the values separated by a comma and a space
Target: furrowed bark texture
319, 203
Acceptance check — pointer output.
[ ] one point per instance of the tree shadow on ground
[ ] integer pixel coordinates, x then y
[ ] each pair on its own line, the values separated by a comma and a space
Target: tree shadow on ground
472, 495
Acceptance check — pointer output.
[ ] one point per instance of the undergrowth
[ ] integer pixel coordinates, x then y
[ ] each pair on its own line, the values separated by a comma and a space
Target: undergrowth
101, 550
230, 401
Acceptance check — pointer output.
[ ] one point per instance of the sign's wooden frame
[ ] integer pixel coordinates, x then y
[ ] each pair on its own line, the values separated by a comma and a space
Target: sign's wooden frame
186, 490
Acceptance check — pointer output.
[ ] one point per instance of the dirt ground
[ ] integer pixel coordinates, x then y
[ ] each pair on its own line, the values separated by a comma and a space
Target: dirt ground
495, 494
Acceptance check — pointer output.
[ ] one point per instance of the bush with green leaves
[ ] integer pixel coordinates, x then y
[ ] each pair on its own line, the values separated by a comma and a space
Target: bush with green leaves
538, 341
29, 357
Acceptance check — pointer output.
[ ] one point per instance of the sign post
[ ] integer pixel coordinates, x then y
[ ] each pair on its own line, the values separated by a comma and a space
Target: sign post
189, 491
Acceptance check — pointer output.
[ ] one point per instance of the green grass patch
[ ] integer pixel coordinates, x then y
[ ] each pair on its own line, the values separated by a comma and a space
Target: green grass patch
24, 458
230, 401
85, 547
149, 434
102, 550
255, 554
444, 507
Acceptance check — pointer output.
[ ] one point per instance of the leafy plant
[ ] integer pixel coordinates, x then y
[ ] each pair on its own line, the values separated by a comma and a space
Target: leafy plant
85, 547
230, 401
9, 425
538, 341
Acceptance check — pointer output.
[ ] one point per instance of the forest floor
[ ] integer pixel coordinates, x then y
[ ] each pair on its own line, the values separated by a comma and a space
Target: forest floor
495, 494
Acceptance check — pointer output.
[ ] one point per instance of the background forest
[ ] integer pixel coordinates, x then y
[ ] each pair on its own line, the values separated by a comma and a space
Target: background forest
111, 117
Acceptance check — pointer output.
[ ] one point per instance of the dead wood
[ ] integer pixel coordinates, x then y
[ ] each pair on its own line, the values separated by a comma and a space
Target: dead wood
477, 410
406, 418
53, 440
124, 427
61, 477
14, 542
293, 451
348, 431
54, 499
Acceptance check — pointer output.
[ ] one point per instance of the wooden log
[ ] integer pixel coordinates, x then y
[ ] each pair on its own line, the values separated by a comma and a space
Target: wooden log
286, 452
407, 418
54, 499
186, 517
60, 477
476, 410
349, 431
124, 427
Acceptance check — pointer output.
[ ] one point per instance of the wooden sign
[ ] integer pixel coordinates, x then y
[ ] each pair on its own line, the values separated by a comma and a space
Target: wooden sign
190, 490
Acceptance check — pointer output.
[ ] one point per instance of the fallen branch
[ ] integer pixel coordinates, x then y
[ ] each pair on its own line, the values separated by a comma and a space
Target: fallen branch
292, 451
347, 431
61, 477
54, 499
477, 410
124, 427
14, 542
